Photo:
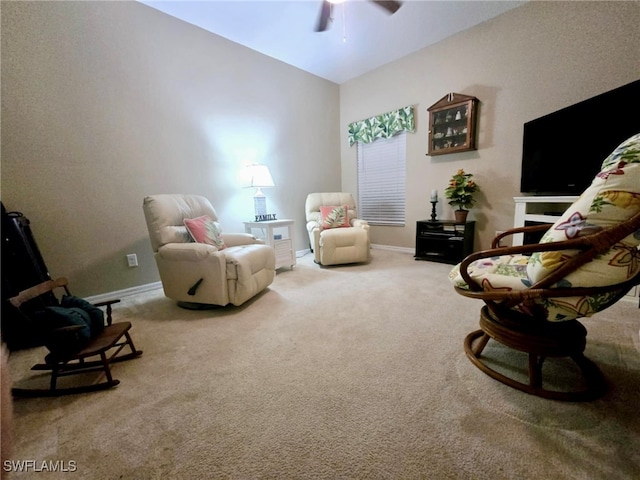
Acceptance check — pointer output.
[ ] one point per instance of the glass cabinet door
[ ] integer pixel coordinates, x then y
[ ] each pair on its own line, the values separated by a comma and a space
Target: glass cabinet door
452, 124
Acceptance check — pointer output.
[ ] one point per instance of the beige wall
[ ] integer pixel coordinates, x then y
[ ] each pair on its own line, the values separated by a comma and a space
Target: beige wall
521, 65
106, 102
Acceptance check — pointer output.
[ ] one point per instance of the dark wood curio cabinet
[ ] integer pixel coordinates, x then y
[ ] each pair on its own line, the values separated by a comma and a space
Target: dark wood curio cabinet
452, 124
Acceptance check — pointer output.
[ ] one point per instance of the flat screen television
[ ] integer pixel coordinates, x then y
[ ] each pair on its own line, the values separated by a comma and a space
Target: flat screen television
563, 151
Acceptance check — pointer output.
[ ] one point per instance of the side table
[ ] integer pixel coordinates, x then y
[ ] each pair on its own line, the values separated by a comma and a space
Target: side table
278, 234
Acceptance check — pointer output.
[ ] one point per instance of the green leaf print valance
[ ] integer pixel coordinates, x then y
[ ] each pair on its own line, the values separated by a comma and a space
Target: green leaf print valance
382, 126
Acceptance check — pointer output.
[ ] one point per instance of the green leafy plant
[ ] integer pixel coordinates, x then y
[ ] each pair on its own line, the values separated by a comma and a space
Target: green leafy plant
461, 189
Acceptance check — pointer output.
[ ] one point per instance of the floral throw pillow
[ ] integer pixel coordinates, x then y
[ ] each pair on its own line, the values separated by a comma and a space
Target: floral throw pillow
334, 217
205, 230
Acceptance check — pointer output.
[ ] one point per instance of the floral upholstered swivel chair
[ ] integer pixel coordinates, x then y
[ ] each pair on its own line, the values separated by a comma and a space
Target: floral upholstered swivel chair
584, 263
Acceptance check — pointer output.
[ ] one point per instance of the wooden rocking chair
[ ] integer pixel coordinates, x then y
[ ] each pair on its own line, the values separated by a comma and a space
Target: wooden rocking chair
105, 346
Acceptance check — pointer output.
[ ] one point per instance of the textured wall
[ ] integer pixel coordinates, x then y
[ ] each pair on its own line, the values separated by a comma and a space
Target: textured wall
526, 63
106, 102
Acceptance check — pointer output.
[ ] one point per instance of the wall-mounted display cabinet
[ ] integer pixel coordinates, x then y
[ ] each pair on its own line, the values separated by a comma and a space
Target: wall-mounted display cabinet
452, 124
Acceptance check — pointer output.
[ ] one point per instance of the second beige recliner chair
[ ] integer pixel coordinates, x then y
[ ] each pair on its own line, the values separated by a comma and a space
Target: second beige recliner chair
336, 235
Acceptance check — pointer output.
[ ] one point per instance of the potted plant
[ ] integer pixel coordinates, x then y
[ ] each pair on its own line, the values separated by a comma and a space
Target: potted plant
460, 194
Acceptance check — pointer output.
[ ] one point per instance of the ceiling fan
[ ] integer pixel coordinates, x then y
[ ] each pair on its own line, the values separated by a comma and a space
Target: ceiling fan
390, 6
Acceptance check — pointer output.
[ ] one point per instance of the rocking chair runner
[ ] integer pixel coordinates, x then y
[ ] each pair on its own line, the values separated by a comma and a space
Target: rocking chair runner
534, 294
106, 345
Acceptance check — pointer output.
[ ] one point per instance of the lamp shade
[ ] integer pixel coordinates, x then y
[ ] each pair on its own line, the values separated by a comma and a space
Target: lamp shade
258, 176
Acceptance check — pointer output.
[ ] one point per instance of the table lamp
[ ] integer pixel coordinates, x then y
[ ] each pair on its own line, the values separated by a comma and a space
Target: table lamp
259, 177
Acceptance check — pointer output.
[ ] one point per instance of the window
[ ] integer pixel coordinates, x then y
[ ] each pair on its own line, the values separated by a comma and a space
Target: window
382, 149
381, 180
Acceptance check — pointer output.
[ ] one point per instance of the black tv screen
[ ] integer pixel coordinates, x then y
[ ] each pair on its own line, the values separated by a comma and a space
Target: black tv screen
563, 151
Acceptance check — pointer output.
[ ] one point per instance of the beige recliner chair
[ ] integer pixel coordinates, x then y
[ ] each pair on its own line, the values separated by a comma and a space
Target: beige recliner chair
336, 236
199, 274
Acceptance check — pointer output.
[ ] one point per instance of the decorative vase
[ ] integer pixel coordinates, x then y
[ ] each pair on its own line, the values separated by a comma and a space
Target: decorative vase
461, 215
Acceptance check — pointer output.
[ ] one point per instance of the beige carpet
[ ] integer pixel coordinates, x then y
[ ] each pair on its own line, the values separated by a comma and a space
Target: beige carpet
333, 373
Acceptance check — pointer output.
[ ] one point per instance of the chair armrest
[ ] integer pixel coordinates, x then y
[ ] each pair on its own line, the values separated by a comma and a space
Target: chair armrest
67, 329
312, 225
236, 239
107, 303
591, 246
516, 296
314, 230
581, 243
187, 251
359, 223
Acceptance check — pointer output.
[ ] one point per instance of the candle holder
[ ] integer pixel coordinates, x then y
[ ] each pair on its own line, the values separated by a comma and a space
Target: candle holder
433, 210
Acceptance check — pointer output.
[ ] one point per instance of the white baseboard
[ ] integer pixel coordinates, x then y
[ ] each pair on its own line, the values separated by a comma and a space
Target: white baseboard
633, 297
156, 285
124, 293
392, 248
302, 253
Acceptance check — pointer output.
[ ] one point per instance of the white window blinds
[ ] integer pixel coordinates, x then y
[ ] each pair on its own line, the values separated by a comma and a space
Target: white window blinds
381, 180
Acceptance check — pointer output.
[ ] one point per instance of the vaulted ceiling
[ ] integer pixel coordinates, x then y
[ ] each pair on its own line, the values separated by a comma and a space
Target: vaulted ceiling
361, 36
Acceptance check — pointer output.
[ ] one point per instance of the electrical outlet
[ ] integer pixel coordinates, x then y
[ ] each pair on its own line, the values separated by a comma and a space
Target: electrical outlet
132, 260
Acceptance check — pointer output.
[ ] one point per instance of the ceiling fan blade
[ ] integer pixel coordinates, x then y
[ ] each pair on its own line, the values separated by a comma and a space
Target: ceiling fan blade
390, 6
325, 14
